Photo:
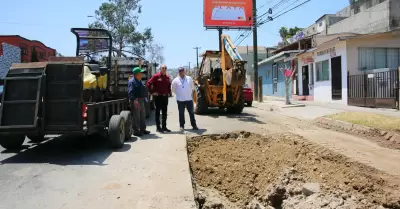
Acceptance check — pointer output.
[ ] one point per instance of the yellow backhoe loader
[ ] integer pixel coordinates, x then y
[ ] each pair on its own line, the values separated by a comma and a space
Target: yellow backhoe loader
220, 80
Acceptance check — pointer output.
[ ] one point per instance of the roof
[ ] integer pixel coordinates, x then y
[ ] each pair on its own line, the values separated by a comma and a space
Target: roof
269, 59
244, 49
323, 17
18, 36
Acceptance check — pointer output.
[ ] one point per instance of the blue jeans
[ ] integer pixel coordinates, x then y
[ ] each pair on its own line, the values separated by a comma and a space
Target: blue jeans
189, 107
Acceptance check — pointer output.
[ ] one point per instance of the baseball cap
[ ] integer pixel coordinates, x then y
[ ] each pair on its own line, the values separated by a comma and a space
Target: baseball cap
137, 70
181, 69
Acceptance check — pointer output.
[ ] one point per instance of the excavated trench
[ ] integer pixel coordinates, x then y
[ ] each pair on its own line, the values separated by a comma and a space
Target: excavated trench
247, 170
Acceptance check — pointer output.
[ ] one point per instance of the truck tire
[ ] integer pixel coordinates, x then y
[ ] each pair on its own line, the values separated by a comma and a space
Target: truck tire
36, 138
238, 107
116, 131
11, 142
201, 103
127, 116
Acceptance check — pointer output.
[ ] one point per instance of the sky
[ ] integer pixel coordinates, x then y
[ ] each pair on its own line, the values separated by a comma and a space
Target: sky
176, 24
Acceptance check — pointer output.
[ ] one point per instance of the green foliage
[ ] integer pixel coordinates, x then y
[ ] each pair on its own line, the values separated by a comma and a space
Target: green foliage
286, 33
120, 17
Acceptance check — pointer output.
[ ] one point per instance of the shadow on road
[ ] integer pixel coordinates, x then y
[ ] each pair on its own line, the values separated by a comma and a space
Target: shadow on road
244, 117
199, 132
67, 150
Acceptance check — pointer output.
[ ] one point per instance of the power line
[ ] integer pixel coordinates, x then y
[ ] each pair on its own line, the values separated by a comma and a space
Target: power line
273, 18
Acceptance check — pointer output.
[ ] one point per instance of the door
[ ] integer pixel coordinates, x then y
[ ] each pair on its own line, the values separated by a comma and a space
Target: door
336, 75
275, 78
306, 79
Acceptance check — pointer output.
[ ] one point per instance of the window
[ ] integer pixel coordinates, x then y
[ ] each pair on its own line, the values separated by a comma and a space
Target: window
24, 51
356, 9
322, 70
377, 58
320, 24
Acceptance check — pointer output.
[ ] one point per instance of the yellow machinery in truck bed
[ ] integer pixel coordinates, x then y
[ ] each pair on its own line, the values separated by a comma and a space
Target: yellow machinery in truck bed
220, 80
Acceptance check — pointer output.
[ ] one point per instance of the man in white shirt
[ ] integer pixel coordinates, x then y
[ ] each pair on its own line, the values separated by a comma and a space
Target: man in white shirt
183, 88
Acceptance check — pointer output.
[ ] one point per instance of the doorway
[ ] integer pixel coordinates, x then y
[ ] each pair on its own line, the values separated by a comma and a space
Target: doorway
336, 75
275, 78
306, 80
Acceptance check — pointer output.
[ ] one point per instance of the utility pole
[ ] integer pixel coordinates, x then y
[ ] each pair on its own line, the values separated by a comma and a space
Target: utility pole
197, 55
197, 59
219, 38
255, 52
189, 68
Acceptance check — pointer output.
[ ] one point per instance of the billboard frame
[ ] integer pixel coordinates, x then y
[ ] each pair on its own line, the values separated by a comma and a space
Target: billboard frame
208, 12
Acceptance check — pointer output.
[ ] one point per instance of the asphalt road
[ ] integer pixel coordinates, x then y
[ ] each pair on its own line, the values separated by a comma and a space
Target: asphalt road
151, 172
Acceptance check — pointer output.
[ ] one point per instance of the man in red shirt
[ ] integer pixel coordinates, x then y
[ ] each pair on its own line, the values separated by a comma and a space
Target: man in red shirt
159, 86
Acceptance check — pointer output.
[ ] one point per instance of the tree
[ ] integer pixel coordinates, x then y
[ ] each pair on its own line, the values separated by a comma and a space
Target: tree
288, 73
59, 54
34, 57
120, 17
286, 33
155, 53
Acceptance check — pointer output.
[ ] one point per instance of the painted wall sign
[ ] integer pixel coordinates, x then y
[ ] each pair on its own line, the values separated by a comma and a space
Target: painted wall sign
331, 51
307, 60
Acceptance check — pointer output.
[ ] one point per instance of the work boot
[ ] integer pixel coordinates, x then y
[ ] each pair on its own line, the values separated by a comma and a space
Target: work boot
159, 129
166, 129
145, 132
182, 129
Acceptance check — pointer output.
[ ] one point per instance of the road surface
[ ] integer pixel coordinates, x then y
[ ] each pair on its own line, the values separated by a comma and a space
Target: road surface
151, 172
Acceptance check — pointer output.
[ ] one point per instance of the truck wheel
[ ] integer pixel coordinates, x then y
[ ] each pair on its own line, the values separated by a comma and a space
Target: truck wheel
36, 139
12, 141
126, 115
238, 107
200, 102
116, 131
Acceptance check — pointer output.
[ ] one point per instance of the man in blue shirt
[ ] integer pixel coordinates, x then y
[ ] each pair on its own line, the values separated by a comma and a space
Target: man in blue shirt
137, 96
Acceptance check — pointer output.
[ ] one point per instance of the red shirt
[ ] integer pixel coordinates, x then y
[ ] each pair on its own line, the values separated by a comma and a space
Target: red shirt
160, 84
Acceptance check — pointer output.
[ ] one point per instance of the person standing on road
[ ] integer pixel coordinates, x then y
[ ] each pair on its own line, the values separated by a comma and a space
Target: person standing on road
137, 96
183, 88
159, 86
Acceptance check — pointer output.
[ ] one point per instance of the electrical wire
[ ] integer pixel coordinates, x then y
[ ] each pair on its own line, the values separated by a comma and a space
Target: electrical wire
273, 18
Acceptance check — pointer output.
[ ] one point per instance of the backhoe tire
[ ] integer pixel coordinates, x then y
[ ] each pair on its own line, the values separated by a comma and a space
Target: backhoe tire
201, 106
12, 142
36, 138
238, 107
128, 123
116, 131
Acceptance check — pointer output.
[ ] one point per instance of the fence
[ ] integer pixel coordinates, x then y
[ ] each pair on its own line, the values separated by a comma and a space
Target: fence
379, 90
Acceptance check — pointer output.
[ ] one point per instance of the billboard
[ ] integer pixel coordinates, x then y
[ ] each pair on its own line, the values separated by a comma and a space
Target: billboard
228, 13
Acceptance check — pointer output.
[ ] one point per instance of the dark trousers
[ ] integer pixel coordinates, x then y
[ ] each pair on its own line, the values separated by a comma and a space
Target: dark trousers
189, 106
161, 103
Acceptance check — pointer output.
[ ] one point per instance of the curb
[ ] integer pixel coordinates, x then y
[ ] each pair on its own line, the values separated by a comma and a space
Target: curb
387, 135
273, 107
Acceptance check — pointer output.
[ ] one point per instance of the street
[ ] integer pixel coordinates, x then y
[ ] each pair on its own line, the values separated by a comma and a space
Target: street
152, 172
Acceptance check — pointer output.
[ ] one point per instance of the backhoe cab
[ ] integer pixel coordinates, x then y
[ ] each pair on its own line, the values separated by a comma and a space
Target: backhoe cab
220, 80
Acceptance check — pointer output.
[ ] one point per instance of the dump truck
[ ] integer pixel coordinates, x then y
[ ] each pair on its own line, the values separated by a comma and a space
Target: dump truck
220, 79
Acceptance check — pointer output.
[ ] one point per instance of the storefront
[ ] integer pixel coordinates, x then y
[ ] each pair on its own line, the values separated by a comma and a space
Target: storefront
323, 73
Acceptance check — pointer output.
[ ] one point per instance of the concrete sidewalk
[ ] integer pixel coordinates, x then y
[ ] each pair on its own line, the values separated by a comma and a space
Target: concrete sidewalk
312, 110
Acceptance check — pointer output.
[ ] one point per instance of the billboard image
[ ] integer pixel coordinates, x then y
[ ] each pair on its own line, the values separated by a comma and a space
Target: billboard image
228, 13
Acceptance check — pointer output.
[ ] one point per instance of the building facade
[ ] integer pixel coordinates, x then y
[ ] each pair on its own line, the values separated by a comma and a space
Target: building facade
271, 71
246, 52
29, 47
9, 54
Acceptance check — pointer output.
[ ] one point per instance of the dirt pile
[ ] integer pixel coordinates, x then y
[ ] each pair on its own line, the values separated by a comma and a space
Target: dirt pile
245, 170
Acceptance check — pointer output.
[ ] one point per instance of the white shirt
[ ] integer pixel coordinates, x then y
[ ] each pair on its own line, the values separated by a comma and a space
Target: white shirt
183, 88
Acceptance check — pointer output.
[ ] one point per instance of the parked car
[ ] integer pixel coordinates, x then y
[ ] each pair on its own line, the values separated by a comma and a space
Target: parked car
247, 95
